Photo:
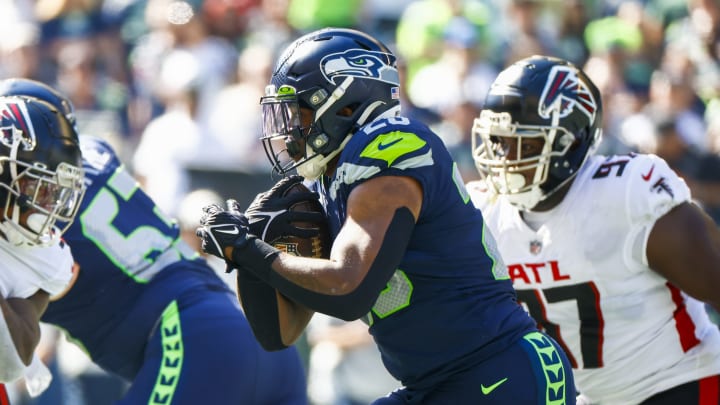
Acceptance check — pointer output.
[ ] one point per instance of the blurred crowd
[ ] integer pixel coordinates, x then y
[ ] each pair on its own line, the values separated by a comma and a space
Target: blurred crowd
175, 84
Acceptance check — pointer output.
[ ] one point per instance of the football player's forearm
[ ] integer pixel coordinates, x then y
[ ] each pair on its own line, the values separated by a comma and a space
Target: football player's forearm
299, 279
22, 320
293, 318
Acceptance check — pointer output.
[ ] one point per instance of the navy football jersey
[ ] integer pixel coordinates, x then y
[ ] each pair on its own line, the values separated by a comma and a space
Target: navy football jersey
122, 252
148, 308
450, 303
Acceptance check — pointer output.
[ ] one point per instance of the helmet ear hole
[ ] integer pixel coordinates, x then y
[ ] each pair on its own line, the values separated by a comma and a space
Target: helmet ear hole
293, 148
347, 110
574, 145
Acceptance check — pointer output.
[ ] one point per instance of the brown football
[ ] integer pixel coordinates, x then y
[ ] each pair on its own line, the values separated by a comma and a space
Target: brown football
317, 246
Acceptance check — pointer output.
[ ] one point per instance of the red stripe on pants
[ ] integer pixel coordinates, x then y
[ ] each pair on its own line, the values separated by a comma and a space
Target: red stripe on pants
4, 400
710, 390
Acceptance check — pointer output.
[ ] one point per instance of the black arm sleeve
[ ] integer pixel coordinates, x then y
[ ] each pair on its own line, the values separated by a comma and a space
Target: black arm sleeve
259, 302
357, 303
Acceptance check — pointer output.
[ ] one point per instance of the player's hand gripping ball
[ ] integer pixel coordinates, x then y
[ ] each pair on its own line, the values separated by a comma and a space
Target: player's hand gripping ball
220, 228
290, 217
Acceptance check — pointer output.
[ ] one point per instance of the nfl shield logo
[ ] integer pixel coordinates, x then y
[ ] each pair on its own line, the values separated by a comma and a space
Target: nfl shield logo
287, 247
535, 247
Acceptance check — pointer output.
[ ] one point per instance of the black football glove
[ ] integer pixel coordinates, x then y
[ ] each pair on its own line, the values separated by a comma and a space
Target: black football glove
220, 228
271, 210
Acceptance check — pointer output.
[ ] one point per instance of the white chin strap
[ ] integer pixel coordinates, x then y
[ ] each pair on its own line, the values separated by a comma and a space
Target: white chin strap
313, 167
526, 201
17, 235
504, 185
12, 234
36, 222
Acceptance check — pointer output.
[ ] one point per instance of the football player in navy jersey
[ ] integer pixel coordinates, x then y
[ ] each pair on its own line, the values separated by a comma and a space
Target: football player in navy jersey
146, 307
411, 255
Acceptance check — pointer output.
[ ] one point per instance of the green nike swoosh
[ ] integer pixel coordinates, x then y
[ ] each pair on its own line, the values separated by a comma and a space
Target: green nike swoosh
487, 390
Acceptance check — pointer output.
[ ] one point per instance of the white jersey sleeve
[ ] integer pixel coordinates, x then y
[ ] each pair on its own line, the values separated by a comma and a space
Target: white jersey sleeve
653, 189
23, 271
27, 269
583, 275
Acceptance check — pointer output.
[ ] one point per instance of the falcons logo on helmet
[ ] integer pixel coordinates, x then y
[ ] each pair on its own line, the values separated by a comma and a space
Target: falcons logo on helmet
15, 124
564, 92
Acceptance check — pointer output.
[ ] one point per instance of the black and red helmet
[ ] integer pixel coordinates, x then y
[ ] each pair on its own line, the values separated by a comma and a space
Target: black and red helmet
18, 86
41, 175
543, 98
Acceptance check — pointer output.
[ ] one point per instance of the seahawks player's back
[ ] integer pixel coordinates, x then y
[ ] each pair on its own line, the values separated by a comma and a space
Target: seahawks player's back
148, 308
587, 268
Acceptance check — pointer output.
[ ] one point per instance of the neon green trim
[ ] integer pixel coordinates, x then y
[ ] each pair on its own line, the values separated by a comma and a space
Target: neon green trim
552, 367
499, 269
460, 184
395, 296
172, 359
390, 146
286, 91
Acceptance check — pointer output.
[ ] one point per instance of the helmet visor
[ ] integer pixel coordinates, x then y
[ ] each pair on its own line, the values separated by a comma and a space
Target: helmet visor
281, 116
56, 194
282, 128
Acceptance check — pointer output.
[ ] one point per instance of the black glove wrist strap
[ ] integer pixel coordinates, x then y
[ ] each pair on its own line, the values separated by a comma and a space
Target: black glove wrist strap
256, 256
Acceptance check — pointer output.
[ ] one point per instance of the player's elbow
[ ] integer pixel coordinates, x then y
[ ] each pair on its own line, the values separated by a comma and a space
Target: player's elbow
352, 306
351, 315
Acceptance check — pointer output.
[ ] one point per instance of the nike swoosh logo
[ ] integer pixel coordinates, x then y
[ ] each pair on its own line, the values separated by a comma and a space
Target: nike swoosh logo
487, 390
383, 146
647, 176
233, 231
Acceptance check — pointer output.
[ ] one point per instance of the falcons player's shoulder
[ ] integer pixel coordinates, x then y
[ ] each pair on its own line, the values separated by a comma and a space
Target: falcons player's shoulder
52, 267
631, 170
653, 187
480, 194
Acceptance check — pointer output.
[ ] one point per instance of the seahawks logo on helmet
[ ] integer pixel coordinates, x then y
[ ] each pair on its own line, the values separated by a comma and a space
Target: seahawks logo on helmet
360, 63
15, 125
564, 92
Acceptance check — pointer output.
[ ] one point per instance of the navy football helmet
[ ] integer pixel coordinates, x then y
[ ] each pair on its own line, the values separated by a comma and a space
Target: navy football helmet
18, 86
41, 176
330, 72
541, 101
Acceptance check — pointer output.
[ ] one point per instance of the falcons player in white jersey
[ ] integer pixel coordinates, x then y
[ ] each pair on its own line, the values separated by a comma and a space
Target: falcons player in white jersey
608, 254
41, 185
